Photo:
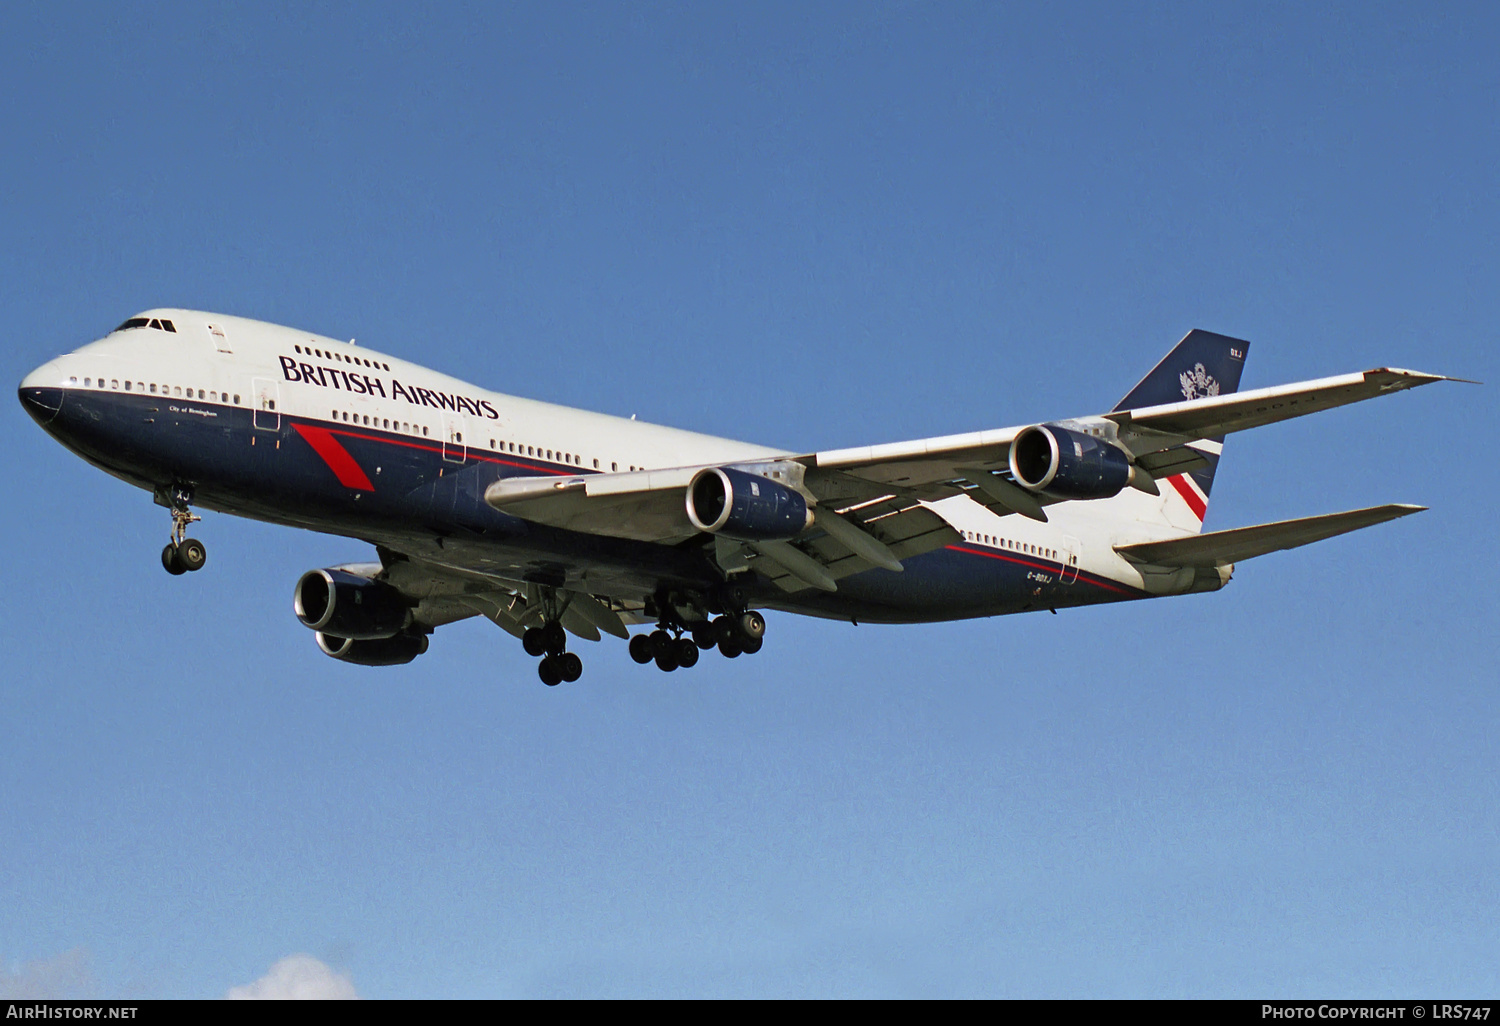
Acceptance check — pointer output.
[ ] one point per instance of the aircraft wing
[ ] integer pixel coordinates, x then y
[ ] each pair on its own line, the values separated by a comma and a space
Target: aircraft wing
872, 502
855, 528
933, 468
1220, 548
1153, 428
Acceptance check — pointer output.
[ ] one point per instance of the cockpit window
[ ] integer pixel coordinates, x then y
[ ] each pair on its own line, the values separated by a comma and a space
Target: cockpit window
147, 322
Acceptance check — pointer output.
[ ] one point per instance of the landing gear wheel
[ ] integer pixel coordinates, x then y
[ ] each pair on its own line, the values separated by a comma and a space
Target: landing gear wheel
534, 641
705, 637
170, 563
551, 673
641, 649
750, 646
729, 648
570, 666
687, 652
666, 657
751, 626
191, 555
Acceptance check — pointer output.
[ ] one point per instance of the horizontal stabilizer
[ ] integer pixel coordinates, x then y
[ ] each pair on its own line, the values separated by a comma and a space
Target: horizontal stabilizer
1219, 548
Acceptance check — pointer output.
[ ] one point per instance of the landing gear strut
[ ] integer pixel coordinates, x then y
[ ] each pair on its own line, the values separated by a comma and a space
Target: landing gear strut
182, 553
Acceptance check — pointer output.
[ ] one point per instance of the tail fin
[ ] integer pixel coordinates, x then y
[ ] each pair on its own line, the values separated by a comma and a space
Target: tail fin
1201, 365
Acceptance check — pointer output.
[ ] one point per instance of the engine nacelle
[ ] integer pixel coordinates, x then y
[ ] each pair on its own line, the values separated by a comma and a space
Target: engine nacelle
347, 605
396, 651
722, 500
1068, 464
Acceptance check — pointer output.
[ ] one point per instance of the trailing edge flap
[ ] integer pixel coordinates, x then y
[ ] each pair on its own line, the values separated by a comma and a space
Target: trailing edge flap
904, 528
1171, 462
1220, 548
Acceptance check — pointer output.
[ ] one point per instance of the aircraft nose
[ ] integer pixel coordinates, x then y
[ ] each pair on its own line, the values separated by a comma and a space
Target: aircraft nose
41, 403
41, 393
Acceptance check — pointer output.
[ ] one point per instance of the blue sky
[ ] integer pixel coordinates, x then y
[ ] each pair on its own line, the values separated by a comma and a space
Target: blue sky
811, 226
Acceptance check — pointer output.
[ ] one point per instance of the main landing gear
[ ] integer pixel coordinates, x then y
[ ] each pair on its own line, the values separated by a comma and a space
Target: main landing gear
182, 553
550, 642
671, 645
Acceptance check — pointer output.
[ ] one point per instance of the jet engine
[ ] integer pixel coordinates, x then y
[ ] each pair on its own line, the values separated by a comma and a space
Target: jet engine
345, 605
394, 651
1068, 464
722, 500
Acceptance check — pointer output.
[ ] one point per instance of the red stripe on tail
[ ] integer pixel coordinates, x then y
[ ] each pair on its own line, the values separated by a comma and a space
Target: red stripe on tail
1189, 495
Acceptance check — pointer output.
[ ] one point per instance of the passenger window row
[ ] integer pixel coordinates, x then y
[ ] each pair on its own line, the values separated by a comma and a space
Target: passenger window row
170, 391
539, 453
329, 354
380, 422
1015, 546
177, 392
545, 454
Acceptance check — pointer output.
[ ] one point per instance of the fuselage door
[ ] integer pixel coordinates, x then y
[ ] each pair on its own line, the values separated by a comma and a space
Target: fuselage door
221, 340
455, 448
1070, 554
267, 394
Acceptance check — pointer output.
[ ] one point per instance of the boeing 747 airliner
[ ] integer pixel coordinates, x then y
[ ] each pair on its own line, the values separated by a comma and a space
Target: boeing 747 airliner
553, 522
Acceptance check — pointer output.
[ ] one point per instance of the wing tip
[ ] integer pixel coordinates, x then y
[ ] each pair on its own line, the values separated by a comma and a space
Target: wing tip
1422, 377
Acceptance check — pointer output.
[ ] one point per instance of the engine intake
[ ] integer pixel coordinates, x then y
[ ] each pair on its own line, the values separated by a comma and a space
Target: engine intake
396, 651
722, 500
345, 605
1068, 464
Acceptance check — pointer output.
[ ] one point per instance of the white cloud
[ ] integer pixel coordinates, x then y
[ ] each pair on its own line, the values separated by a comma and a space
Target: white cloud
61, 977
297, 978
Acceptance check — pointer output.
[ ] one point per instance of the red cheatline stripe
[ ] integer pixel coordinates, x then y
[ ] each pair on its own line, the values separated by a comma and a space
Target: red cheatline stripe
474, 453
1197, 505
336, 456
1050, 568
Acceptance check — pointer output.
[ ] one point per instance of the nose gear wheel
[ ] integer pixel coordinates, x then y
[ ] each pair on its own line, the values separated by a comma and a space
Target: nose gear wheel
182, 554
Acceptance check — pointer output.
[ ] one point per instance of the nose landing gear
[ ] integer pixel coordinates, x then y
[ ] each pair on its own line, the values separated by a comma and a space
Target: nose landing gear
182, 553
